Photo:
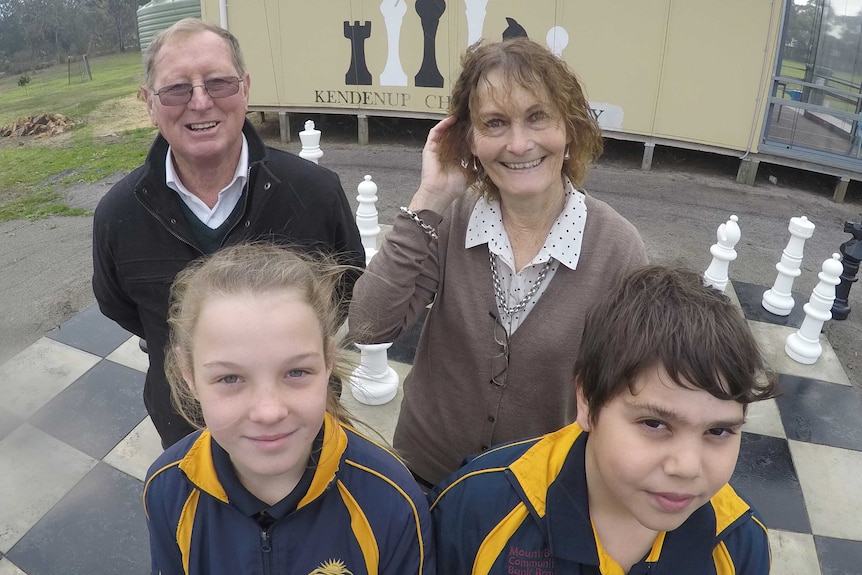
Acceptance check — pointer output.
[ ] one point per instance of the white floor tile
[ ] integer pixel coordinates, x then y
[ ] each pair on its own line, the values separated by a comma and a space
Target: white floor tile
772, 338
137, 451
8, 568
831, 481
764, 418
793, 553
38, 470
30, 379
130, 355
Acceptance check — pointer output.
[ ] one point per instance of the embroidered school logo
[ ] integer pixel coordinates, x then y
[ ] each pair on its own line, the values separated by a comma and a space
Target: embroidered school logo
332, 567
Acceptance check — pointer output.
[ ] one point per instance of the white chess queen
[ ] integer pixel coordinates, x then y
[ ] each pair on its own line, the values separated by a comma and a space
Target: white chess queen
509, 250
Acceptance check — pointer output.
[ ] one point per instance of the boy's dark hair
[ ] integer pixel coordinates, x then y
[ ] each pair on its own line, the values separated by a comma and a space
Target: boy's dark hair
660, 316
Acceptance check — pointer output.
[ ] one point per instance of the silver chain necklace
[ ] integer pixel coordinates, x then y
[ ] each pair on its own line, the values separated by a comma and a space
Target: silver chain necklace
501, 297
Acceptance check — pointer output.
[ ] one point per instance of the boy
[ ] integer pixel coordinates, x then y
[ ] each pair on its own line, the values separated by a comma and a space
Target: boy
638, 484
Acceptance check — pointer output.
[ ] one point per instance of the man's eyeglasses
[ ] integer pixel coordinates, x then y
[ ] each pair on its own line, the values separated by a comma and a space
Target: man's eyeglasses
180, 94
500, 361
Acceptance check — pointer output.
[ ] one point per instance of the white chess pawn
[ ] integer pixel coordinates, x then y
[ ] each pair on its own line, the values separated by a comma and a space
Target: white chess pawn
310, 139
723, 253
366, 217
393, 15
475, 10
778, 299
557, 39
374, 382
804, 345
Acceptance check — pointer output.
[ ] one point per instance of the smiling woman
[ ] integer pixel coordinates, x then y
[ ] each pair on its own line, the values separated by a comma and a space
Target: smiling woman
506, 243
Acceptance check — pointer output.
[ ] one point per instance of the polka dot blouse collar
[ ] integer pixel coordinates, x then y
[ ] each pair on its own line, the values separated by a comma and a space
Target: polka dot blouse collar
563, 242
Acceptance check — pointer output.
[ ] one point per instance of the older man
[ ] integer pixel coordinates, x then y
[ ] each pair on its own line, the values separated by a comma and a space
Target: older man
208, 181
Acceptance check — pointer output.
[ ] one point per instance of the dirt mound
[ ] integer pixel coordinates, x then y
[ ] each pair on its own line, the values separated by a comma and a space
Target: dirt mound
44, 124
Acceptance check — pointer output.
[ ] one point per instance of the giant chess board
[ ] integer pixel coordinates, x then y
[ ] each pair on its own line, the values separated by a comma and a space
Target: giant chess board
75, 444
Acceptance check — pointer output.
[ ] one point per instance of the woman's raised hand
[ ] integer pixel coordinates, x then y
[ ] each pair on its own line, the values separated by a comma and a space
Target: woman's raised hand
440, 184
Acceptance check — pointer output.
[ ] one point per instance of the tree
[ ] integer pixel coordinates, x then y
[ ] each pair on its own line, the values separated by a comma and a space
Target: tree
123, 17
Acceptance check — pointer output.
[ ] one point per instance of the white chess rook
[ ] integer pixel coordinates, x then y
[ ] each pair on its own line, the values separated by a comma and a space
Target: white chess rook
804, 345
374, 382
778, 299
310, 139
366, 217
723, 253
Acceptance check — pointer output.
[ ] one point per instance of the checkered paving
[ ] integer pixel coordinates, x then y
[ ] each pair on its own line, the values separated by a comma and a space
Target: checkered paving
75, 444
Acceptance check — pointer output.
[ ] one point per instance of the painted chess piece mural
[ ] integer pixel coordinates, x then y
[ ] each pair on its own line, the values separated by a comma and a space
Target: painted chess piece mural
514, 30
557, 39
475, 10
430, 11
358, 73
393, 16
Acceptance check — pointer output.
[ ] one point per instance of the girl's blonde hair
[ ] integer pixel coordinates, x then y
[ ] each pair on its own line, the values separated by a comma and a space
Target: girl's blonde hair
252, 268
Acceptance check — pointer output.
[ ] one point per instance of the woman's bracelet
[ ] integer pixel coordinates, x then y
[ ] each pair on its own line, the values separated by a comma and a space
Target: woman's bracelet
425, 227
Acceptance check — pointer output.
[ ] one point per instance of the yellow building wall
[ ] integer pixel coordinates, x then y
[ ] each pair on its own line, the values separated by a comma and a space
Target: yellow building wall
712, 71
690, 70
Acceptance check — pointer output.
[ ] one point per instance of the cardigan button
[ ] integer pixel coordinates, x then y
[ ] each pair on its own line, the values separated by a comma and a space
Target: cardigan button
247, 223
267, 186
491, 418
173, 221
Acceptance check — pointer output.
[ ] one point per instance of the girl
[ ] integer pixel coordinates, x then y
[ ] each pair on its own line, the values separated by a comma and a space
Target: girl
277, 481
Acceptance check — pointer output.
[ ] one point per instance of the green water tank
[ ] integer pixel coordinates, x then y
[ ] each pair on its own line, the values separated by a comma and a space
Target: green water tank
159, 15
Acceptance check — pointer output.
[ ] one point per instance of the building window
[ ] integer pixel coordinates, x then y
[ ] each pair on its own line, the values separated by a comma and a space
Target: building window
815, 101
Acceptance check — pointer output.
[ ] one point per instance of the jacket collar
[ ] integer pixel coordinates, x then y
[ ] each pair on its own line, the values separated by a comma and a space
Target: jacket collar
552, 480
199, 466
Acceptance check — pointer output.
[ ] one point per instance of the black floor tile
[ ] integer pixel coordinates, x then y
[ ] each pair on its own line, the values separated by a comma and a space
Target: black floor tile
820, 412
766, 477
91, 331
98, 528
403, 349
97, 411
750, 298
839, 556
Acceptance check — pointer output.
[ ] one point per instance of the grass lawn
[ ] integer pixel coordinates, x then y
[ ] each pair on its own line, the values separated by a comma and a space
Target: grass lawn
32, 172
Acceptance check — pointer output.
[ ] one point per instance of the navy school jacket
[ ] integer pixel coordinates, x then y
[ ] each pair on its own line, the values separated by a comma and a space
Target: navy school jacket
363, 514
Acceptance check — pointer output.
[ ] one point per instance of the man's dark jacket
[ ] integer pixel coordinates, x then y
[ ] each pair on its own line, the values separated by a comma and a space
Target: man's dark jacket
142, 238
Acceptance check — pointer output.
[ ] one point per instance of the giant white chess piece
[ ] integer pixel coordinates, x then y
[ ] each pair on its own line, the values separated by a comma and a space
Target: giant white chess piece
728, 235
778, 299
366, 217
475, 19
804, 345
310, 138
373, 382
393, 15
557, 40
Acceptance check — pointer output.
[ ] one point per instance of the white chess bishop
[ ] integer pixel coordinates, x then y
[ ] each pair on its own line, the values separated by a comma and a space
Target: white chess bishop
723, 253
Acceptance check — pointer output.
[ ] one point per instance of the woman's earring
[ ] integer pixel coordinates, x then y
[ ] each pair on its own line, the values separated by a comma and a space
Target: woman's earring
567, 156
464, 163
475, 168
